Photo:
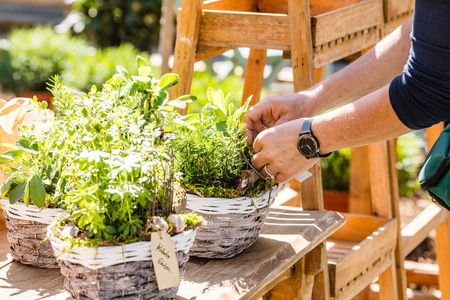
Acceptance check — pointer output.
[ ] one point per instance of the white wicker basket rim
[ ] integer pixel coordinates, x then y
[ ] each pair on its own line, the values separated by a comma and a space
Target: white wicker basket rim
31, 212
101, 257
240, 205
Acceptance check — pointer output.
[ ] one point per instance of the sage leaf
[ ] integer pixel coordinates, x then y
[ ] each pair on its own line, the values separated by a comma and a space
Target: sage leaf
5, 159
26, 196
4, 187
17, 193
168, 80
9, 170
140, 61
37, 191
25, 145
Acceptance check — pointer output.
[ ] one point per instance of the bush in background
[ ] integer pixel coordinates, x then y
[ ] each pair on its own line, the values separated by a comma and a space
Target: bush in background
98, 65
34, 55
113, 22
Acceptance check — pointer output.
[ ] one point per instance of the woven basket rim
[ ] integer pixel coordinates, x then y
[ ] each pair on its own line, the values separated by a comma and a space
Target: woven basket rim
31, 212
238, 205
104, 256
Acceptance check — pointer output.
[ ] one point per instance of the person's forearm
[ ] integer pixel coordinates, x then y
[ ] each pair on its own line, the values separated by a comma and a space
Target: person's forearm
367, 120
370, 72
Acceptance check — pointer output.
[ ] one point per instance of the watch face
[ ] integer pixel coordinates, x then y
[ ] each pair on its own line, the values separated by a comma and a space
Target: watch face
307, 146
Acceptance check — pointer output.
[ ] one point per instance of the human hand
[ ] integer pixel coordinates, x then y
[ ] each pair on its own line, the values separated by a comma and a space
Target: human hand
269, 112
276, 148
275, 110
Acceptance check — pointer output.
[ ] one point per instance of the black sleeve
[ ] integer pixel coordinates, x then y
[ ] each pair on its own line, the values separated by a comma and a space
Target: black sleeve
421, 96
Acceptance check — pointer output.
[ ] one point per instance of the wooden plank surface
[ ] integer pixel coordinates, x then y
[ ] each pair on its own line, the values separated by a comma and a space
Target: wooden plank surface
342, 22
419, 228
288, 234
238, 29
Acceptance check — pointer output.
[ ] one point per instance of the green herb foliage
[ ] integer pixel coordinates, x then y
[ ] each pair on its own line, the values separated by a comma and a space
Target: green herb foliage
209, 146
35, 179
113, 166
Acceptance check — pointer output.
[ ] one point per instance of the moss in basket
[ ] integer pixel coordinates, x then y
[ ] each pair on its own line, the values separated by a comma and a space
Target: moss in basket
210, 148
119, 171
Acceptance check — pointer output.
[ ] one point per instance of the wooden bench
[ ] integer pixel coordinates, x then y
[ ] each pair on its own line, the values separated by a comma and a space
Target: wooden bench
288, 235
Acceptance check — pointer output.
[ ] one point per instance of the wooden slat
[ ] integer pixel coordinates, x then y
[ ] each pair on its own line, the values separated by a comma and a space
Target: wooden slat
342, 22
254, 75
365, 254
395, 8
166, 35
379, 180
354, 287
232, 5
421, 273
419, 228
344, 47
443, 256
188, 18
237, 29
358, 227
360, 199
394, 24
204, 52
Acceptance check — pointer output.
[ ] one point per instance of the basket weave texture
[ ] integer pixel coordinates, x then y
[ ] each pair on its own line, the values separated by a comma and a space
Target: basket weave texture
27, 227
111, 272
232, 225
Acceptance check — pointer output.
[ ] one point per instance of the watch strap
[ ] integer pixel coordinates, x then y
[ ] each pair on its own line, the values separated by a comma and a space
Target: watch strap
306, 129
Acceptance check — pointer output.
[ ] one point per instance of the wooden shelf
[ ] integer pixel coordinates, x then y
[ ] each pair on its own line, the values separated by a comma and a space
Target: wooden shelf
361, 249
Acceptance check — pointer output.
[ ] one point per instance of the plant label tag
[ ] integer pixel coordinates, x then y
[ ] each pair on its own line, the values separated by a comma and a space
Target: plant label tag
165, 260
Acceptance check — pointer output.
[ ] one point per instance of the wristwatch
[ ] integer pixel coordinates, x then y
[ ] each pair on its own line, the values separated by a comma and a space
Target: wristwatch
307, 144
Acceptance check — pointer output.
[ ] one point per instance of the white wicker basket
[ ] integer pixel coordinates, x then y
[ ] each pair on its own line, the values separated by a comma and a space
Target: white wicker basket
27, 227
232, 225
108, 272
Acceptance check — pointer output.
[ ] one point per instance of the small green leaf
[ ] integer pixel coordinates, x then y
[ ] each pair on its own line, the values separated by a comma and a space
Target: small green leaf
8, 145
144, 71
9, 170
141, 78
210, 95
222, 126
187, 98
93, 89
17, 193
122, 70
25, 145
177, 103
219, 100
26, 196
37, 191
5, 159
161, 99
4, 187
140, 61
44, 104
168, 80
16, 155
110, 229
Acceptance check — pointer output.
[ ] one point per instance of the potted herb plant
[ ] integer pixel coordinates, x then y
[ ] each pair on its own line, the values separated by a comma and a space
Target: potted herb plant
221, 184
31, 205
120, 180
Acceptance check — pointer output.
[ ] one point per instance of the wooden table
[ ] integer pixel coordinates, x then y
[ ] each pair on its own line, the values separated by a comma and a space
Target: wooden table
287, 236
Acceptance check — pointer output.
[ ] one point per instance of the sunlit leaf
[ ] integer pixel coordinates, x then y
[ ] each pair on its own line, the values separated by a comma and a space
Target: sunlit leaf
37, 191
168, 80
17, 193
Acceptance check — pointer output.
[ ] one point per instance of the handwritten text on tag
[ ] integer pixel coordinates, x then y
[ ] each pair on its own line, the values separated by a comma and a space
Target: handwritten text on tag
165, 261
